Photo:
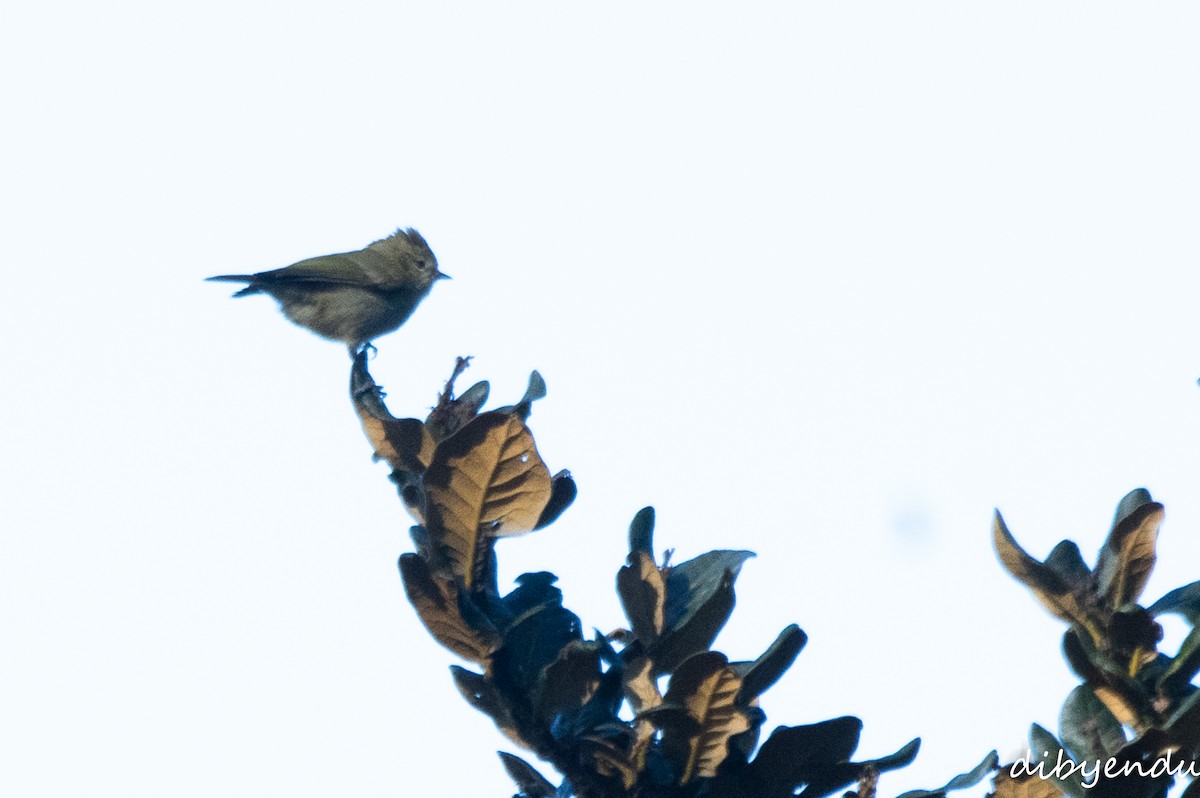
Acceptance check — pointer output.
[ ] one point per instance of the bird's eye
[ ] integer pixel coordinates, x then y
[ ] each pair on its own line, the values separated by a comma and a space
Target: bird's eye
422, 265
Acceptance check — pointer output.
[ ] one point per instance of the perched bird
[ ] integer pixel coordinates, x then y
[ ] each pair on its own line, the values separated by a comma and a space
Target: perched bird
352, 296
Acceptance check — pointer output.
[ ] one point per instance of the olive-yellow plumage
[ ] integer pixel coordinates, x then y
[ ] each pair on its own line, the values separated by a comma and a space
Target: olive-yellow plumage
351, 297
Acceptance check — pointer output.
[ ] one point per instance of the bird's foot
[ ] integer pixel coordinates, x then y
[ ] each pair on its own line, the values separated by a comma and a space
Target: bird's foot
365, 349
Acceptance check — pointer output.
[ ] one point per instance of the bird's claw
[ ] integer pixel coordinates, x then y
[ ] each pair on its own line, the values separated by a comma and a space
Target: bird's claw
367, 349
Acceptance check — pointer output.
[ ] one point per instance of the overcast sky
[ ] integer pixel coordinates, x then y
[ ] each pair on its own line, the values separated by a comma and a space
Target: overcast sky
826, 281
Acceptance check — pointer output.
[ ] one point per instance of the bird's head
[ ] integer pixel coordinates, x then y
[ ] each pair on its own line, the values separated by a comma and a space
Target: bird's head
407, 250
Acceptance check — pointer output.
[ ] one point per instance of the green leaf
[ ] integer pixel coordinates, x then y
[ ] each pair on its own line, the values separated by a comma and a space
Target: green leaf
420, 539
975, 775
830, 780
961, 781
541, 628
1184, 601
533, 592
1089, 729
1079, 657
1128, 555
1184, 667
641, 532
698, 603
1131, 503
1066, 561
705, 689
530, 783
902, 758
524, 406
758, 676
796, 755
643, 593
1044, 741
474, 398
486, 481
437, 603
1183, 726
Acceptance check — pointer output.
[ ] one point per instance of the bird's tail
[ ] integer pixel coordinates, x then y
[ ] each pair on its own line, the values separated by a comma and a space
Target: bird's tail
237, 278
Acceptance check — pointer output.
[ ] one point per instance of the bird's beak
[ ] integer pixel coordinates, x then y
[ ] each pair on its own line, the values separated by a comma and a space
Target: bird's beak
440, 276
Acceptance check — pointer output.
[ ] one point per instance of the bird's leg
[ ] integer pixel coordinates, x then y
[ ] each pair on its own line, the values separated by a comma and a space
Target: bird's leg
365, 348
362, 385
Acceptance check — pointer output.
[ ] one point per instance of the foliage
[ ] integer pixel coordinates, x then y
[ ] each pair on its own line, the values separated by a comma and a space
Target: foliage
1135, 706
594, 707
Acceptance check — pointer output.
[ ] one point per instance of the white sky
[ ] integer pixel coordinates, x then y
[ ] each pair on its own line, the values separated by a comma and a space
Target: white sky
825, 281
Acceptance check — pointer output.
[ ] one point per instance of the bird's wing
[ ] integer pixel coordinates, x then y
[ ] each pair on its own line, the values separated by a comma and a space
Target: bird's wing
333, 269
363, 269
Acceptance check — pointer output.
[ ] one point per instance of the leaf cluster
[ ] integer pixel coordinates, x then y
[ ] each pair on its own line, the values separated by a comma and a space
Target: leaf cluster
1135, 704
649, 710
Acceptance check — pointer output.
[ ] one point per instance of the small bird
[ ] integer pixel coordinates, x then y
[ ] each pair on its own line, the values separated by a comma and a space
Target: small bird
351, 296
